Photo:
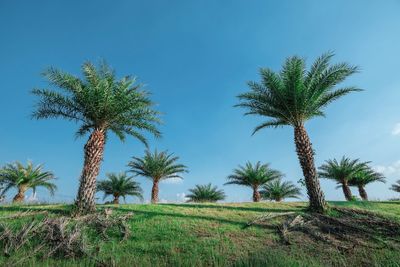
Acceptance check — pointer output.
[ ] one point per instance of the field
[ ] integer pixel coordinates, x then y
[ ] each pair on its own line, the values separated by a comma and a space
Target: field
204, 235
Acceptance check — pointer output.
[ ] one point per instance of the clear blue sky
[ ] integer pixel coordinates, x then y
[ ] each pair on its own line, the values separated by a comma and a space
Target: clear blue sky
195, 57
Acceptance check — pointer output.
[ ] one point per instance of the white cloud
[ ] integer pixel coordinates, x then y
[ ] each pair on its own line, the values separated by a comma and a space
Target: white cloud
181, 197
32, 198
172, 181
389, 170
396, 129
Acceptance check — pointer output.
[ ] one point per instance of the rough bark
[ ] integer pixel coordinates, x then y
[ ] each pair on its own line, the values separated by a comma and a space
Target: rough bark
154, 192
363, 193
306, 157
20, 196
94, 149
116, 199
346, 190
256, 195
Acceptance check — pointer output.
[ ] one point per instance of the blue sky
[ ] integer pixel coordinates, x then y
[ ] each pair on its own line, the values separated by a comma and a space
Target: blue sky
195, 57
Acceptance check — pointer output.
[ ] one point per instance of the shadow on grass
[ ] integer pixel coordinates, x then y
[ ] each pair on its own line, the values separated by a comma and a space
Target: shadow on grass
61, 210
256, 209
150, 214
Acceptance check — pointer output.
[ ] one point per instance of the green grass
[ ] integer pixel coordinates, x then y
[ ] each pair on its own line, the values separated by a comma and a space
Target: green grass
211, 235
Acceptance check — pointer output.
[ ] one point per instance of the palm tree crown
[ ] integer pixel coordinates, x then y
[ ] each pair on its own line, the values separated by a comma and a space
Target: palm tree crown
24, 178
396, 186
119, 185
296, 95
278, 190
253, 176
342, 172
157, 166
99, 101
206, 193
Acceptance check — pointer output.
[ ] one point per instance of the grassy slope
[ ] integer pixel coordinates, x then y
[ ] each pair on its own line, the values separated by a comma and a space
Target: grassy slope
213, 234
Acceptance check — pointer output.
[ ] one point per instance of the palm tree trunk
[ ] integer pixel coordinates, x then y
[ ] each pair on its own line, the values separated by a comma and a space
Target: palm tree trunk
20, 196
363, 193
116, 199
256, 195
154, 192
305, 154
94, 149
347, 191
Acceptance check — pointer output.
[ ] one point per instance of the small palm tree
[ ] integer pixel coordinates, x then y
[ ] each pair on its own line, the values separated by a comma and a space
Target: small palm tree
100, 103
293, 96
396, 186
363, 177
278, 190
119, 185
205, 193
25, 177
254, 177
342, 172
157, 167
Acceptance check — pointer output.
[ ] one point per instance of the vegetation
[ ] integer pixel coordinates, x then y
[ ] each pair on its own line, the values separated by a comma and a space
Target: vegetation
202, 235
396, 187
99, 103
253, 176
205, 193
293, 96
157, 166
363, 177
24, 178
278, 190
342, 172
119, 185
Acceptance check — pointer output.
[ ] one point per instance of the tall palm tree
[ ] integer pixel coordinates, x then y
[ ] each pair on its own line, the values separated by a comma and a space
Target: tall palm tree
278, 190
119, 185
24, 178
206, 193
253, 176
342, 172
396, 186
100, 103
293, 96
363, 177
157, 166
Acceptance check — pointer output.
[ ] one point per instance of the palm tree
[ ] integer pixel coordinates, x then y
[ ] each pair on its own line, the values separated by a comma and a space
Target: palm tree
292, 97
278, 190
363, 177
99, 103
342, 172
254, 177
205, 193
157, 166
396, 186
25, 177
119, 185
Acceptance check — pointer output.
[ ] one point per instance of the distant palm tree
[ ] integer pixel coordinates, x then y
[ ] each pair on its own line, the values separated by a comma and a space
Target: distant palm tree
254, 177
205, 193
99, 103
119, 185
293, 96
278, 190
24, 178
342, 172
396, 186
157, 166
363, 177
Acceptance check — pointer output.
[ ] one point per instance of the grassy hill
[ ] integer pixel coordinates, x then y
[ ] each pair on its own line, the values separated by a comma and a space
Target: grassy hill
204, 235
